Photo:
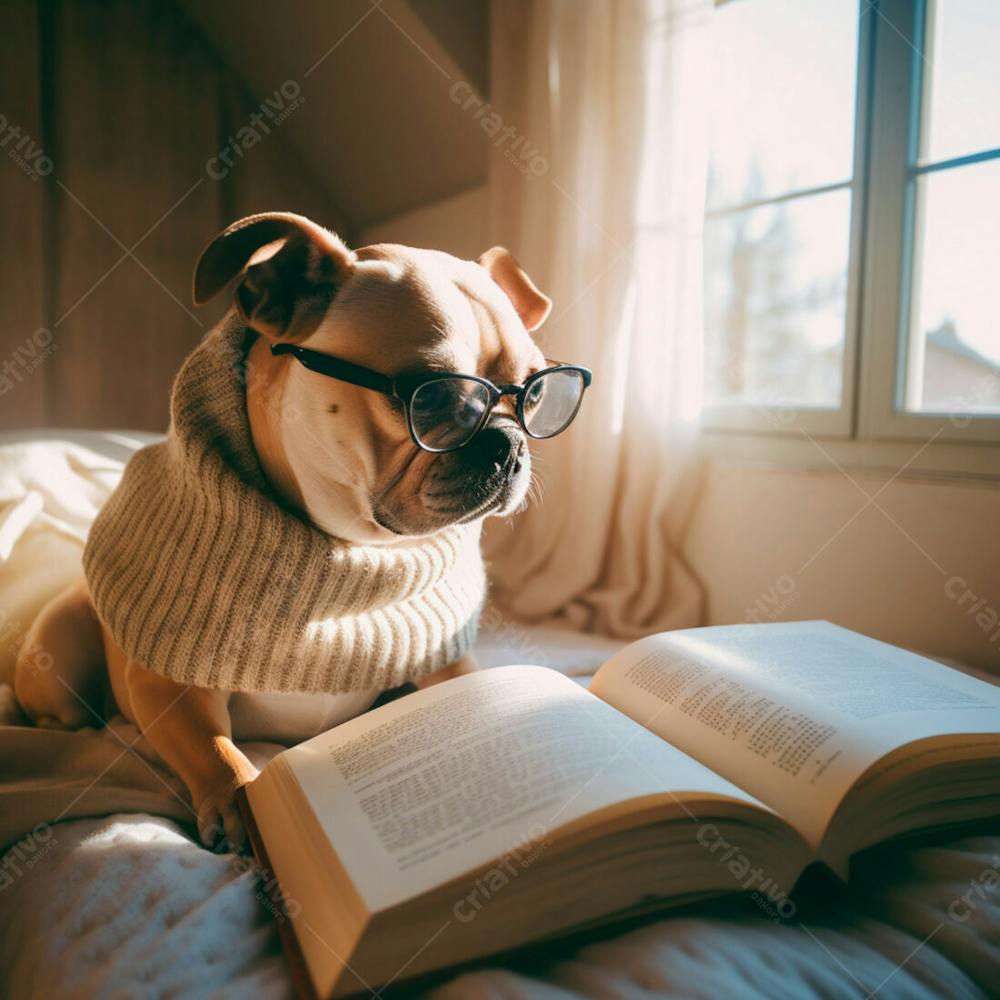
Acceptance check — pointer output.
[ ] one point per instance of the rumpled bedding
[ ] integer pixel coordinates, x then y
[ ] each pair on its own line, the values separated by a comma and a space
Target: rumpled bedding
105, 892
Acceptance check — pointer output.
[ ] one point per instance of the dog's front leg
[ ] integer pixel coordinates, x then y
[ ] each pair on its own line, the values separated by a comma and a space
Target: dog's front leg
189, 728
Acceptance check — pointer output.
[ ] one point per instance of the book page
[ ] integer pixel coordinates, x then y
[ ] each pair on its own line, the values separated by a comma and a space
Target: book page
794, 713
482, 766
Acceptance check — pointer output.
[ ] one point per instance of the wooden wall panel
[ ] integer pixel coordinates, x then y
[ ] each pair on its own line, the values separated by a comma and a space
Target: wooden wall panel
133, 108
136, 119
269, 177
25, 349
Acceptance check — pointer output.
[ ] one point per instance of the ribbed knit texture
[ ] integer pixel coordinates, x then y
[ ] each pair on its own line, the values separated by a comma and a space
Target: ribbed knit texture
203, 577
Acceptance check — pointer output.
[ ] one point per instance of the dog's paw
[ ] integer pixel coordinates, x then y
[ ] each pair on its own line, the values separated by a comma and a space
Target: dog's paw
220, 826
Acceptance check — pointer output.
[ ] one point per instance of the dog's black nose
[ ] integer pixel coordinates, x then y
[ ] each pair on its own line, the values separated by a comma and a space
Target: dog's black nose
494, 447
497, 447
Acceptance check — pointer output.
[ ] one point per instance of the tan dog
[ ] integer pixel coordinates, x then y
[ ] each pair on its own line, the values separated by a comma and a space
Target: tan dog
346, 464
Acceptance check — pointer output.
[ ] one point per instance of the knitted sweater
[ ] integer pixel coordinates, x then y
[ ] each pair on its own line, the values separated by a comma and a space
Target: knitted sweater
202, 576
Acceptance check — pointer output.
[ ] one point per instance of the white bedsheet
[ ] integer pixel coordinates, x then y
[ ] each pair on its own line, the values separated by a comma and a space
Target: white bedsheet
128, 905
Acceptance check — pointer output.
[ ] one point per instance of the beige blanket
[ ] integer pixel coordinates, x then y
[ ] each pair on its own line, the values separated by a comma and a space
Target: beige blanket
50, 490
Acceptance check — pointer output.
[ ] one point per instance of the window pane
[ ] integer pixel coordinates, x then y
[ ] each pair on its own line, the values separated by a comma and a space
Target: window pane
954, 350
783, 88
775, 302
961, 70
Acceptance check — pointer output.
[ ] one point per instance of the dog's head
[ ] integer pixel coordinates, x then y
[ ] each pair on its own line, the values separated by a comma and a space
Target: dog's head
341, 453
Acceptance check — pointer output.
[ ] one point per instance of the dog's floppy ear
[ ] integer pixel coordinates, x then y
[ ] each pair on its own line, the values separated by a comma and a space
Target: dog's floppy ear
529, 303
292, 268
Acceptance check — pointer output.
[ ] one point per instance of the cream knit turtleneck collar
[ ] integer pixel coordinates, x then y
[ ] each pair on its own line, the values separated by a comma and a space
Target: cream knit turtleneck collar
201, 576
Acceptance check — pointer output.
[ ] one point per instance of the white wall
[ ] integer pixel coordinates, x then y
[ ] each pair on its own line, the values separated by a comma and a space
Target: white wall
787, 542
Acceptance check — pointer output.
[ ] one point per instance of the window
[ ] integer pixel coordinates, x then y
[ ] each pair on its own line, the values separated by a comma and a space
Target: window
852, 235
779, 205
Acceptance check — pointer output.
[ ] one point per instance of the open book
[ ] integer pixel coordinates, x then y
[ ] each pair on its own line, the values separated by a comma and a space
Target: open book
513, 805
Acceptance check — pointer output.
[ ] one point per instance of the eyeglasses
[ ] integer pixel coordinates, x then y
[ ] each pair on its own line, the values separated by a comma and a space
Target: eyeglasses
445, 411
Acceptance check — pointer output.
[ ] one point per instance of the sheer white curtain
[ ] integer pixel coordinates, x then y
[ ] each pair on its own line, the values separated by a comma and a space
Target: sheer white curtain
605, 214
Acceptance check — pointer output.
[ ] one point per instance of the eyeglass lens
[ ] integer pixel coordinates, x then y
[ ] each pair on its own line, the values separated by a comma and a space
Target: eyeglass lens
550, 402
446, 413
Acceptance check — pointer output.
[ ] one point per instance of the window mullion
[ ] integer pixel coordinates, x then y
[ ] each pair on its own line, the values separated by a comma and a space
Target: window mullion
776, 199
887, 264
860, 202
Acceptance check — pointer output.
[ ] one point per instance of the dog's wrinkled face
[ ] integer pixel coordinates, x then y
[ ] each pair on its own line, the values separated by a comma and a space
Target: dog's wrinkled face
341, 453
360, 474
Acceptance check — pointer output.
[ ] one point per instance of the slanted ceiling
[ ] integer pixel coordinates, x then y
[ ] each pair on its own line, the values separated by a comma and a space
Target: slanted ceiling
376, 122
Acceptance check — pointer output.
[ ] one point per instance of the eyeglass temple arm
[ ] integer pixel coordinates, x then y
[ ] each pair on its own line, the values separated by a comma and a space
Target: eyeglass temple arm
345, 371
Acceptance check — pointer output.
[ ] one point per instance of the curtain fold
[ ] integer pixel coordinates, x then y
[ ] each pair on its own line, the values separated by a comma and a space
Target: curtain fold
602, 200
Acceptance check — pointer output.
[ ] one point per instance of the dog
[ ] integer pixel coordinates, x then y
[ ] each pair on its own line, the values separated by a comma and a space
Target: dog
386, 307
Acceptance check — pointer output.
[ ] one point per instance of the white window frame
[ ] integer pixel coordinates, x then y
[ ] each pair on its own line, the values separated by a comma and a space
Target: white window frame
820, 421
870, 428
900, 59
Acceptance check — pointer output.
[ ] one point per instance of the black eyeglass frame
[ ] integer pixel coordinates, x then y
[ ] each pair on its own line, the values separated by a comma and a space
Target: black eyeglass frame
403, 388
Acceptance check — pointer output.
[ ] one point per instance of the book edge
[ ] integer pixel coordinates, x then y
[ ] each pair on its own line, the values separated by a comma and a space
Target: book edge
302, 982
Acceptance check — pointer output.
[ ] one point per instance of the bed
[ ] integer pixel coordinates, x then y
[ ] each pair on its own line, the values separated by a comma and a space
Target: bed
104, 891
